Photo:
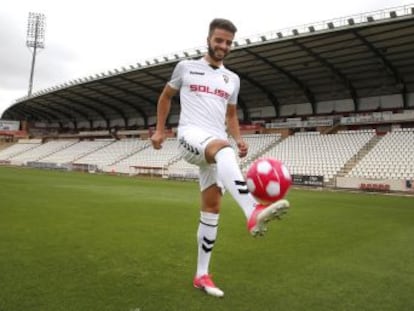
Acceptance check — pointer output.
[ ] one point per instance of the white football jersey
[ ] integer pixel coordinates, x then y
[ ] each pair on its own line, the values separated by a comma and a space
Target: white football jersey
205, 93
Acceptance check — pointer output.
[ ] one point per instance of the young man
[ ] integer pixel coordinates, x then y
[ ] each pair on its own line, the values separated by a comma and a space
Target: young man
208, 96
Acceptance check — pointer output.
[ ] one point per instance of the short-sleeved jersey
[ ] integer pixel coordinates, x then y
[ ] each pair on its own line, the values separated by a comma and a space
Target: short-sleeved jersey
205, 93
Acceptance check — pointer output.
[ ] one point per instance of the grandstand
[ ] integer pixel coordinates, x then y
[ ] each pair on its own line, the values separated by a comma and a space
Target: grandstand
333, 100
391, 158
315, 154
41, 151
150, 158
112, 153
15, 150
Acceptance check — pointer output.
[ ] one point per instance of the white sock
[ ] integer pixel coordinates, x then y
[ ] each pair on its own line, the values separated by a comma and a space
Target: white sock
229, 173
206, 236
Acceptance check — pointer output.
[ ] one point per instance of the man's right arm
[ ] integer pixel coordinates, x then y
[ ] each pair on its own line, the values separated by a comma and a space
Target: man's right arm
163, 109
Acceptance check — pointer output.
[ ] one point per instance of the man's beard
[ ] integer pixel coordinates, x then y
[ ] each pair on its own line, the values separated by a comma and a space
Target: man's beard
213, 55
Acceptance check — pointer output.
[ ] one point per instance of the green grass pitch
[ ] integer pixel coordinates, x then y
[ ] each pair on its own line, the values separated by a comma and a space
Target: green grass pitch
74, 241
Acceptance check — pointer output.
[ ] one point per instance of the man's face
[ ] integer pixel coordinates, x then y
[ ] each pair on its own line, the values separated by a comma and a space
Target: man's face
219, 44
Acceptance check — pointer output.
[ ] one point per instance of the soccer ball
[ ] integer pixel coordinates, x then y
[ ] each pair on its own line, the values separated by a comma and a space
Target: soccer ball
268, 180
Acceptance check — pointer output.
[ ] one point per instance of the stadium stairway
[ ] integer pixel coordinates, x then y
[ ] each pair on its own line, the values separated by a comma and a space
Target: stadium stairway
16, 150
357, 157
56, 149
333, 129
261, 152
5, 145
92, 151
170, 163
129, 154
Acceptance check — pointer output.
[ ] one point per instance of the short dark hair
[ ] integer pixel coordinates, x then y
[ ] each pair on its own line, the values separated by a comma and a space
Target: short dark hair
222, 23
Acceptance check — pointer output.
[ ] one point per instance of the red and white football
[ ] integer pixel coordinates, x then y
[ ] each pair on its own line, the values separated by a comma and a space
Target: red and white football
268, 180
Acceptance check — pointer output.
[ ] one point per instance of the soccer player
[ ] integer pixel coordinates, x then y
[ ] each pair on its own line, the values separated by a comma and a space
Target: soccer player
208, 98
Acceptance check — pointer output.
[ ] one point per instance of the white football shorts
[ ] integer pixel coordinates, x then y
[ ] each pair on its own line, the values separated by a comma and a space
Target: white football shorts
192, 145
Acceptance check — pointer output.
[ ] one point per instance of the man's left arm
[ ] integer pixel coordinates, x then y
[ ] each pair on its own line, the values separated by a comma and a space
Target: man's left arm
233, 128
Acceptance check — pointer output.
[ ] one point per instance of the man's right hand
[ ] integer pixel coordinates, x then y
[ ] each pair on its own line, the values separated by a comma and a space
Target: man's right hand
157, 139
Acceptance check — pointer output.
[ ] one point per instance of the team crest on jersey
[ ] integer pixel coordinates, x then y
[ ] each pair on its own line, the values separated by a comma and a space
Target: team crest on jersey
226, 78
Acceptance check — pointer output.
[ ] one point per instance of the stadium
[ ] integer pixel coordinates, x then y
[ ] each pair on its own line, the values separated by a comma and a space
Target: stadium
88, 204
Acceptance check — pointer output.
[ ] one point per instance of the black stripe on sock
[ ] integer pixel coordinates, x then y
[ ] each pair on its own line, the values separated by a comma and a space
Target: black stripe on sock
207, 249
243, 189
208, 224
208, 241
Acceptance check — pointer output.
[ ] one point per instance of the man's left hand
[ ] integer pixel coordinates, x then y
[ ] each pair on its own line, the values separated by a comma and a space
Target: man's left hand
243, 148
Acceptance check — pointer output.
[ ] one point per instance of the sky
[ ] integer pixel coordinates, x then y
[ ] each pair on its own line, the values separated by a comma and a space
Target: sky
87, 37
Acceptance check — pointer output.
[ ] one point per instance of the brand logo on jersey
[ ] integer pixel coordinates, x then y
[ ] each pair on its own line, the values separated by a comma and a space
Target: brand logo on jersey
197, 73
226, 78
207, 89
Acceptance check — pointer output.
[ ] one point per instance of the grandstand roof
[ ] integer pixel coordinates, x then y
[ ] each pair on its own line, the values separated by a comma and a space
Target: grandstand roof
342, 59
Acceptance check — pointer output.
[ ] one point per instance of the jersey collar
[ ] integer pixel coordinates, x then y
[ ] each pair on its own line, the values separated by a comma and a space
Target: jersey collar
203, 59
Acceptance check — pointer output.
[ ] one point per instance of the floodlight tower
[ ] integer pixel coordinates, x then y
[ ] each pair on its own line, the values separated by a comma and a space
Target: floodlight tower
35, 39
